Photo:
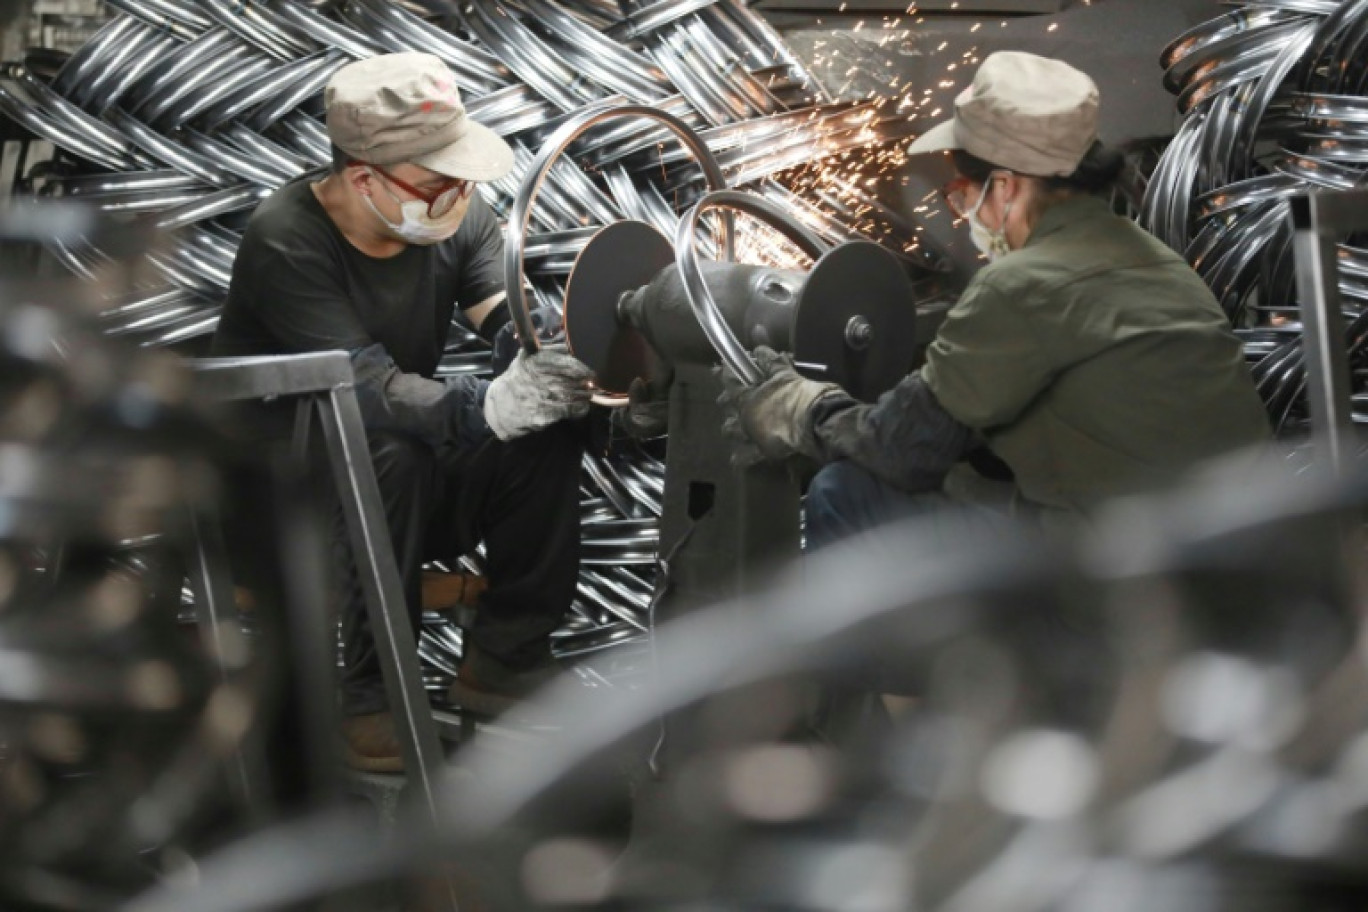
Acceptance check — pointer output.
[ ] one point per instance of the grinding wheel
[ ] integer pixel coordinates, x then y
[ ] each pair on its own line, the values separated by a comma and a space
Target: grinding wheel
622, 257
856, 323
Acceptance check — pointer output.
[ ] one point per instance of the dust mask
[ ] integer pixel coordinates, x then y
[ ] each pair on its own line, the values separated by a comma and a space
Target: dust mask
417, 226
992, 244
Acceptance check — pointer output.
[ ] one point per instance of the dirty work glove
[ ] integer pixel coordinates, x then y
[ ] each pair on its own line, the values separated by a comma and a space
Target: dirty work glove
773, 419
550, 329
537, 391
647, 412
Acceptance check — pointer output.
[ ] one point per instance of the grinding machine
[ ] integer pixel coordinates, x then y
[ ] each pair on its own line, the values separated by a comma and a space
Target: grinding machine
641, 306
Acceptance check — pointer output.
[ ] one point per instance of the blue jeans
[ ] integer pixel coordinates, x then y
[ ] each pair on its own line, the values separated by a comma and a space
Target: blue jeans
845, 500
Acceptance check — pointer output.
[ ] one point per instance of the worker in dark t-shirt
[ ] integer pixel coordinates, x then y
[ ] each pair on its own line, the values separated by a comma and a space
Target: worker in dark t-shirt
373, 260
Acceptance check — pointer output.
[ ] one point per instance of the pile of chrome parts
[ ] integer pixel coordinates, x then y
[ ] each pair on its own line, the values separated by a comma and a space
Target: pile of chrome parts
196, 109
1275, 101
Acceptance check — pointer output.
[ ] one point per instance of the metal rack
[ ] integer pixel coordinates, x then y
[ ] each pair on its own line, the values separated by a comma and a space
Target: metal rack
1320, 221
321, 385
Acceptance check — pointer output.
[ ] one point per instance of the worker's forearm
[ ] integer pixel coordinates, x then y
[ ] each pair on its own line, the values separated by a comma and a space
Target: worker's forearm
439, 412
489, 316
906, 438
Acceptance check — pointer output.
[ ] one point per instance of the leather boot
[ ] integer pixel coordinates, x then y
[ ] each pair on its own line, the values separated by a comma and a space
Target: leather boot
371, 744
486, 685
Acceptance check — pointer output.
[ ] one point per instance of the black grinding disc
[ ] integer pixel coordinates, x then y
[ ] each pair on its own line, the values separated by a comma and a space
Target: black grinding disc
622, 257
856, 323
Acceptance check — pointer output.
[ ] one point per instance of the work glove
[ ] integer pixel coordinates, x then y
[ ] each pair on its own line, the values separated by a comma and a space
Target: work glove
537, 391
773, 419
647, 412
550, 329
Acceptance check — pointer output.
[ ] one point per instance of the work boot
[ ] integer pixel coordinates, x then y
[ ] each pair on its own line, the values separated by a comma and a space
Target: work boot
372, 746
488, 686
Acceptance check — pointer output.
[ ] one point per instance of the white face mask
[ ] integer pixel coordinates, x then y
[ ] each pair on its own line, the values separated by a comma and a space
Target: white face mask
992, 244
417, 227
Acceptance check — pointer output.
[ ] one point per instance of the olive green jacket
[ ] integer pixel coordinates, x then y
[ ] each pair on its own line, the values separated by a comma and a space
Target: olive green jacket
1094, 361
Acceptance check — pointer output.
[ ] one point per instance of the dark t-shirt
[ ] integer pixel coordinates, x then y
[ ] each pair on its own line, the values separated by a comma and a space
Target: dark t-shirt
300, 286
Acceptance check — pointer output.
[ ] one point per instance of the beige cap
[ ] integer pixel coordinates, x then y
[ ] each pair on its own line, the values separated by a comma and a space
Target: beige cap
406, 108
1029, 114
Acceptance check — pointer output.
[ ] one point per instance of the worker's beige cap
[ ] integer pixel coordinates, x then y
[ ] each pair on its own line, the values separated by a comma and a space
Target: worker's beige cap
406, 108
1029, 114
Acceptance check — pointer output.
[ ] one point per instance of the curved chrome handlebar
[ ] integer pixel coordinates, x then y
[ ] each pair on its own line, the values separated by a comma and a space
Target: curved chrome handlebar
516, 233
723, 340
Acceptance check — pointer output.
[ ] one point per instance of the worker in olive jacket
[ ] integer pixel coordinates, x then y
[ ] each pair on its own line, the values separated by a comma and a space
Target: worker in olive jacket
1089, 357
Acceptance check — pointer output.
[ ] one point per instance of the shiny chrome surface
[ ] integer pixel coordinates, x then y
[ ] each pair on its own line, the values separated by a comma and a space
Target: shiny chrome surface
192, 110
1275, 97
723, 340
538, 171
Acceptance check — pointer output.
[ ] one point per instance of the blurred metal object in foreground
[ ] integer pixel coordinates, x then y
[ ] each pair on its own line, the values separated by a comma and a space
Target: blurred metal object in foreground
127, 744
1169, 710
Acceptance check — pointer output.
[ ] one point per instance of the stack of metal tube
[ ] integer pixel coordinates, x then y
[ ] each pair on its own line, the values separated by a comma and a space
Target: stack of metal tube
1275, 101
195, 110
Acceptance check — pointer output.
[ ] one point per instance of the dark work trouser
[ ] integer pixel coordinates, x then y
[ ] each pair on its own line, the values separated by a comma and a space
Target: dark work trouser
844, 500
1063, 635
520, 498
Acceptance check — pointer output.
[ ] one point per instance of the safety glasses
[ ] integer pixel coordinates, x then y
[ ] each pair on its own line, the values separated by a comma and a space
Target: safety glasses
439, 202
957, 195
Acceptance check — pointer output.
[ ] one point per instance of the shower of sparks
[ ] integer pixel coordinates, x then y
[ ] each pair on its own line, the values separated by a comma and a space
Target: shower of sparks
849, 187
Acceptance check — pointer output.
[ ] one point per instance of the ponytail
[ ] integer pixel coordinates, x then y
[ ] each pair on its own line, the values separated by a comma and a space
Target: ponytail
1097, 173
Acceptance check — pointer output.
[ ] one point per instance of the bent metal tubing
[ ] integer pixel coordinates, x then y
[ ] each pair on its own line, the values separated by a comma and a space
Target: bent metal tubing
519, 215
701, 301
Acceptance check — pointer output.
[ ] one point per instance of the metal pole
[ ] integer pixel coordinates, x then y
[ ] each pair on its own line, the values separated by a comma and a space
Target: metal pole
215, 608
1318, 221
349, 456
395, 641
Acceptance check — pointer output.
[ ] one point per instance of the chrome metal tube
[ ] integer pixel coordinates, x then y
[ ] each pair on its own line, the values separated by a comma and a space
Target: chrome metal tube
556, 144
724, 341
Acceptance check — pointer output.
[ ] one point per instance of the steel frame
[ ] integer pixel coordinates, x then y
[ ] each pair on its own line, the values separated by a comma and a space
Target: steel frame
1319, 222
322, 385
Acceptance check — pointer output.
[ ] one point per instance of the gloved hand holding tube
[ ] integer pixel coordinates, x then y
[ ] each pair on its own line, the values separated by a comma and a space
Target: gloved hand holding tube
536, 391
550, 327
773, 419
647, 412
